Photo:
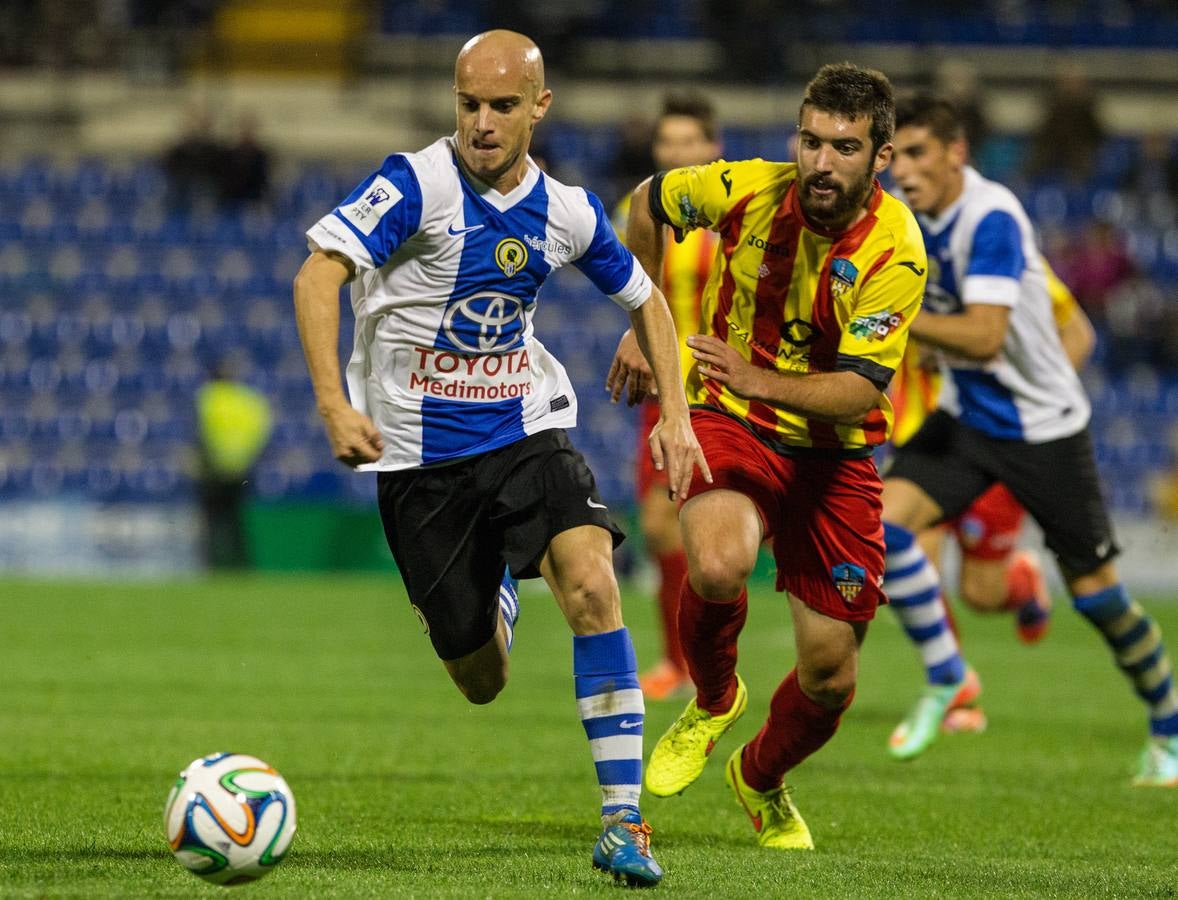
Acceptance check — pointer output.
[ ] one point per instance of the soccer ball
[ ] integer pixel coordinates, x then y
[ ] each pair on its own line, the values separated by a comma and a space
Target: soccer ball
229, 818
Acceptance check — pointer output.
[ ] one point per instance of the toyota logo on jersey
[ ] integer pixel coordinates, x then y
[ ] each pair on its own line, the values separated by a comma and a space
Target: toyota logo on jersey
485, 322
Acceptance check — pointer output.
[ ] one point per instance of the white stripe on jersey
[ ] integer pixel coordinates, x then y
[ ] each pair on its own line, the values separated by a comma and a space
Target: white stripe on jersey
1029, 391
444, 359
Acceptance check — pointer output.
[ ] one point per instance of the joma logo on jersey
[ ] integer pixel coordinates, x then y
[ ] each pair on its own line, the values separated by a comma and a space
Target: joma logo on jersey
510, 256
762, 244
875, 327
484, 322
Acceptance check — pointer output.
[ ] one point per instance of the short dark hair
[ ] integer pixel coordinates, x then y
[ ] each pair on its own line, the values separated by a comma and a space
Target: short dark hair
694, 106
851, 91
932, 111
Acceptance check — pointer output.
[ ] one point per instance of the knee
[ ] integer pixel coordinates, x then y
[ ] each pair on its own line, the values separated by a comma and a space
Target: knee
830, 686
590, 600
482, 689
719, 575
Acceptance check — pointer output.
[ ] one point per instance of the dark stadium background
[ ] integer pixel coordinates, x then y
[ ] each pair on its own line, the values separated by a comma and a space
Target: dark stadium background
118, 290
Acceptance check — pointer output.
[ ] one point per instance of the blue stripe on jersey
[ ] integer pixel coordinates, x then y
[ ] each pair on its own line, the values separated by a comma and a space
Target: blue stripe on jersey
607, 263
987, 405
942, 293
450, 430
997, 247
393, 224
494, 291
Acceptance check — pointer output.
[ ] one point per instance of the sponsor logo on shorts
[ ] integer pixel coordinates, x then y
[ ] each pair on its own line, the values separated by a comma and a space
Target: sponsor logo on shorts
511, 256
421, 618
849, 579
381, 196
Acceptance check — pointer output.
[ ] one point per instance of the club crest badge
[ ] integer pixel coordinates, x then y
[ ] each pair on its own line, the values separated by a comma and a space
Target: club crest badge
849, 579
511, 256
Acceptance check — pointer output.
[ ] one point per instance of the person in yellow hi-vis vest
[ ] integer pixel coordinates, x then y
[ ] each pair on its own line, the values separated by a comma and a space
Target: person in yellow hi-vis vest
685, 134
233, 424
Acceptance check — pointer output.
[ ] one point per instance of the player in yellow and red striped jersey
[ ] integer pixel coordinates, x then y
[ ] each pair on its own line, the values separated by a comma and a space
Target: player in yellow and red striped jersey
805, 318
684, 135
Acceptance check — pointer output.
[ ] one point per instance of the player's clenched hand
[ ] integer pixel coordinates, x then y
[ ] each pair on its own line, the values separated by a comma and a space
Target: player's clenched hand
354, 439
673, 447
716, 360
631, 369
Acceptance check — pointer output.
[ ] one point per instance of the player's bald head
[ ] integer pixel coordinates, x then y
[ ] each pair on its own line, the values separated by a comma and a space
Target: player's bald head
501, 54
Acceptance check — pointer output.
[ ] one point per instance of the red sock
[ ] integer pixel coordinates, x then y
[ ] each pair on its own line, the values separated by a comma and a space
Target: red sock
672, 574
797, 726
708, 633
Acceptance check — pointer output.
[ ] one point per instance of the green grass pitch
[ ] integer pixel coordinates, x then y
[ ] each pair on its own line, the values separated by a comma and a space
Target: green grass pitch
404, 790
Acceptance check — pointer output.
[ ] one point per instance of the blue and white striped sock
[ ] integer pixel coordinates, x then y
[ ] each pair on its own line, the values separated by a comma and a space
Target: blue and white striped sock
605, 674
509, 605
914, 590
1136, 642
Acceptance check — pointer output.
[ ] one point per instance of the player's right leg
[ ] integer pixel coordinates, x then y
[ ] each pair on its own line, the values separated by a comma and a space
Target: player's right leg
658, 518
914, 589
722, 533
435, 523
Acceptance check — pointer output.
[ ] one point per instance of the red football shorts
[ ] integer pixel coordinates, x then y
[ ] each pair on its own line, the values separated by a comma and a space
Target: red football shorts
989, 528
821, 514
646, 476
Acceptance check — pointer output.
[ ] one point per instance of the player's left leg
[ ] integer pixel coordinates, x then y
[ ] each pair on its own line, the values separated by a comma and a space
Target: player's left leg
578, 567
1057, 482
803, 715
829, 549
1136, 642
995, 577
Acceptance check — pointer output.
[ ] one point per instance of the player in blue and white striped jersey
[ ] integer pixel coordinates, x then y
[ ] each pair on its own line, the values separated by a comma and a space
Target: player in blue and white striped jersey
462, 411
1012, 410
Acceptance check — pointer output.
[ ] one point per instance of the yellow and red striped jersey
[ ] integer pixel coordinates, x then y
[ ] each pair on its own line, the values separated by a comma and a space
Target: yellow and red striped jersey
917, 386
795, 298
686, 266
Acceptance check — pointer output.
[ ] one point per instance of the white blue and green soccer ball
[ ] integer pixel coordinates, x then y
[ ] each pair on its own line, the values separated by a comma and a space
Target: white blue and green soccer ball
229, 818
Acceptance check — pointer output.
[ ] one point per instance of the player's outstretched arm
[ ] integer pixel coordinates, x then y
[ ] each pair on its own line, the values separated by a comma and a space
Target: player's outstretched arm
844, 398
353, 437
673, 445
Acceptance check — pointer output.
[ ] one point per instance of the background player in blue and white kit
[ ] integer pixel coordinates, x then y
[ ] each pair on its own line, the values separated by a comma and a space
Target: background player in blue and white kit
462, 411
1012, 410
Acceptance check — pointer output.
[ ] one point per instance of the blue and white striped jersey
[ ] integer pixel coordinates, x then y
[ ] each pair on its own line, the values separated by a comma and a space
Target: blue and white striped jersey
444, 360
982, 249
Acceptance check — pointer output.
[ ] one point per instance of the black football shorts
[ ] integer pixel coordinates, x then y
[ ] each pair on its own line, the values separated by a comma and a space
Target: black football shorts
1055, 481
453, 528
